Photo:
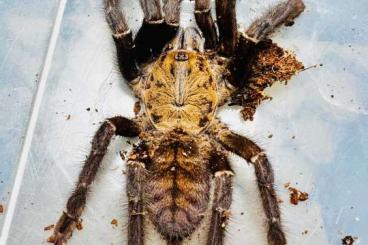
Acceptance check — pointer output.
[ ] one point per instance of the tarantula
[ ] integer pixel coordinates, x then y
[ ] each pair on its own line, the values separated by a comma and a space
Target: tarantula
182, 76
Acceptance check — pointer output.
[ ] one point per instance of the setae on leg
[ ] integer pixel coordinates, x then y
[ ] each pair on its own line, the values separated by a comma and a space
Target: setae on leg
123, 39
136, 173
251, 152
222, 200
77, 201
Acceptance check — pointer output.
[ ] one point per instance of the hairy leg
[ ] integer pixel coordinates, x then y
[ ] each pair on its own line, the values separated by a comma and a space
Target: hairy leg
136, 173
172, 12
123, 39
77, 201
156, 29
283, 13
222, 200
205, 23
259, 30
264, 173
226, 21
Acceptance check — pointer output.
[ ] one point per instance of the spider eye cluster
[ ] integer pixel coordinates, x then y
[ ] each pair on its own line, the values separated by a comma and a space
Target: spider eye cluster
181, 56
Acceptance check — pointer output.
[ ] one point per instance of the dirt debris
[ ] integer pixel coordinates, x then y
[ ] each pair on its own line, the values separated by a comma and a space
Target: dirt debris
1, 209
114, 222
297, 196
348, 240
271, 64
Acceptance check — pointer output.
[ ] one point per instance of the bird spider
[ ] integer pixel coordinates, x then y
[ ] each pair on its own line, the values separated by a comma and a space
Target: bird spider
182, 76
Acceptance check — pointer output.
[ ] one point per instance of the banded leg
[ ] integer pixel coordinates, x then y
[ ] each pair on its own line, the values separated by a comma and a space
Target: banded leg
136, 172
226, 21
156, 29
283, 13
77, 201
205, 23
221, 202
265, 178
123, 39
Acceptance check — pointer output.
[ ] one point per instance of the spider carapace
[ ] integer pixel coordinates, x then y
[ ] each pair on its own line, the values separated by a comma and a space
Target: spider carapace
181, 92
182, 76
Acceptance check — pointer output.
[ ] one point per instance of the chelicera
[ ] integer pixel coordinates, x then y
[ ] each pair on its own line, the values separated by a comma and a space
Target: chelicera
182, 76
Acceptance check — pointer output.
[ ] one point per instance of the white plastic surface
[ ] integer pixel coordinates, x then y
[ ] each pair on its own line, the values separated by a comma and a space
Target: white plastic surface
318, 122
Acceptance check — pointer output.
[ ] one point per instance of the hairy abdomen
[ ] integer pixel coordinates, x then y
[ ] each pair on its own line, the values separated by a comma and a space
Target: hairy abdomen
177, 192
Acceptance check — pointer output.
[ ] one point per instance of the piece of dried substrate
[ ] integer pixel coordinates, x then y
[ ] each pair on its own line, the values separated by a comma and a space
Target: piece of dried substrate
348, 240
114, 222
296, 196
271, 64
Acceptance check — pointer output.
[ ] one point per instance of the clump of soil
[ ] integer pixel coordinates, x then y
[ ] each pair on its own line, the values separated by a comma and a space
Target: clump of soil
348, 240
296, 195
271, 64
1, 209
114, 222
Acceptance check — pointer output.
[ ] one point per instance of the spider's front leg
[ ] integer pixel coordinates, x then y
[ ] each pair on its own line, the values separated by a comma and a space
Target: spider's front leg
205, 23
259, 30
251, 152
77, 201
123, 39
157, 29
283, 13
226, 21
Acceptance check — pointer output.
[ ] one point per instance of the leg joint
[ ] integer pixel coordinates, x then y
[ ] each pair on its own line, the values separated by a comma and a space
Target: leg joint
70, 216
226, 173
255, 158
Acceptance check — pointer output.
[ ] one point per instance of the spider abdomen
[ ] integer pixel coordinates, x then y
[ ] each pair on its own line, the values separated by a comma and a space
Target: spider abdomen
178, 186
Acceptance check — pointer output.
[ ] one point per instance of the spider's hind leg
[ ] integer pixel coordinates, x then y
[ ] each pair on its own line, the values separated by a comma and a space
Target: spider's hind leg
136, 173
222, 199
157, 29
251, 152
77, 200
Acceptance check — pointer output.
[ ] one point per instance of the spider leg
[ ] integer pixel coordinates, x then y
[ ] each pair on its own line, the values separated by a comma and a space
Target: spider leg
205, 23
136, 172
251, 152
172, 12
259, 30
156, 29
222, 200
226, 21
123, 39
77, 201
283, 13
